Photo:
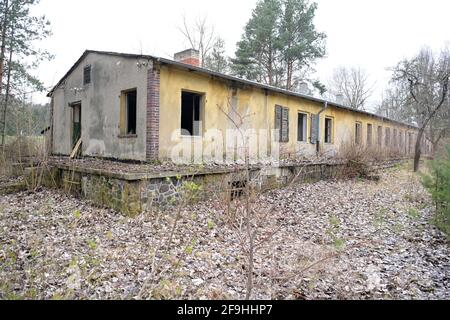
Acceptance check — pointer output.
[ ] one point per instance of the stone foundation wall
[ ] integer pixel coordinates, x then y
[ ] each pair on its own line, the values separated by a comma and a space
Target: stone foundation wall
133, 193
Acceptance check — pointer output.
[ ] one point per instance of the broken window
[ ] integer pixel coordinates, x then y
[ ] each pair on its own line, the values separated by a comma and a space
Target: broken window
395, 138
302, 127
400, 139
328, 130
76, 124
128, 112
410, 142
369, 135
87, 75
314, 128
358, 133
237, 189
190, 113
387, 137
380, 135
406, 142
282, 122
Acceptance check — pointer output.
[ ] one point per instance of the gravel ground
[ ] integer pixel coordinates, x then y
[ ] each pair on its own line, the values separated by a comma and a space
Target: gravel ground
327, 240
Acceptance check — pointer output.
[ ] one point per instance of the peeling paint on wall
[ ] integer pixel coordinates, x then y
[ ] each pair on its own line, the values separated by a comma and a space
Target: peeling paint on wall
111, 75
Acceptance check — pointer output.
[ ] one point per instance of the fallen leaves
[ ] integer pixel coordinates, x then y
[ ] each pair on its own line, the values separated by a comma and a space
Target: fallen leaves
333, 240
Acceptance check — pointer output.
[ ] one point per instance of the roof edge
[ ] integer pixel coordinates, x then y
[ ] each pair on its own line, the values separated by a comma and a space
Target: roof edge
226, 77
87, 52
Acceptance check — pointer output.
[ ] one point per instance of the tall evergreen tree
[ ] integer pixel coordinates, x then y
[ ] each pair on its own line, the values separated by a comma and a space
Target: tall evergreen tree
280, 44
217, 59
258, 51
19, 30
301, 44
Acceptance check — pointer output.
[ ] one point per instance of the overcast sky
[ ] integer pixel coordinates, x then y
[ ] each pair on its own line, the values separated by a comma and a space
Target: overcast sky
373, 34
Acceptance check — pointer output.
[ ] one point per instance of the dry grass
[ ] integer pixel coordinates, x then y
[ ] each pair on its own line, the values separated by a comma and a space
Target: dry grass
22, 147
358, 159
20, 152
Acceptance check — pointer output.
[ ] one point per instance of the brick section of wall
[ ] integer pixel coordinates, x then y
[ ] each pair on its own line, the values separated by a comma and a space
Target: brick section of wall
192, 61
152, 142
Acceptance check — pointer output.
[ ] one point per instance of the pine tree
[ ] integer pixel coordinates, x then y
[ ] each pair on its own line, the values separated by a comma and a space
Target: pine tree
217, 60
258, 51
280, 44
301, 43
19, 31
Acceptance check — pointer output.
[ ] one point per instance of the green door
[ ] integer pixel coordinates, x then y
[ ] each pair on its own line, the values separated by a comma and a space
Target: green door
76, 126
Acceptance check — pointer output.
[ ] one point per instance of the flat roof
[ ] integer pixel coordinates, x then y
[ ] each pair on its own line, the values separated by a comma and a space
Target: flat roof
225, 77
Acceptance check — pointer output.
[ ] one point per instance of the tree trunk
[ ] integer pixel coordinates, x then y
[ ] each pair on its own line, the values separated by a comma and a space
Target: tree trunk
289, 76
3, 47
435, 141
434, 146
8, 86
270, 73
417, 151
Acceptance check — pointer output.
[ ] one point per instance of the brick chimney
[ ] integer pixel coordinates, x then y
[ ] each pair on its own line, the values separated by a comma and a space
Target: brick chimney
189, 56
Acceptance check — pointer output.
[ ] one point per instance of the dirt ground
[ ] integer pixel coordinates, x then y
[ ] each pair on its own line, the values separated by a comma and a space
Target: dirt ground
352, 239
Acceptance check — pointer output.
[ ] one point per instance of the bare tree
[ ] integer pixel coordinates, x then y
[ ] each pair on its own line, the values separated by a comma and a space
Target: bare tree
246, 225
427, 78
353, 84
7, 95
394, 104
200, 35
439, 127
19, 32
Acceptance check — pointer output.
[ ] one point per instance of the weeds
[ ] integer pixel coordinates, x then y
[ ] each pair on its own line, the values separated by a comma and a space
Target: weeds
333, 232
92, 244
380, 217
437, 183
413, 213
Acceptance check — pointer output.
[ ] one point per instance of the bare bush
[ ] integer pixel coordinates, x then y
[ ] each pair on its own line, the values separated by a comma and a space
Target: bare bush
355, 160
22, 148
358, 160
5, 165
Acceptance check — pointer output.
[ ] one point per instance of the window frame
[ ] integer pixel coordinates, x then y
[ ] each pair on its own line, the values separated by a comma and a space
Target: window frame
331, 121
380, 136
304, 128
202, 99
400, 139
358, 135
387, 137
123, 121
395, 138
369, 135
87, 75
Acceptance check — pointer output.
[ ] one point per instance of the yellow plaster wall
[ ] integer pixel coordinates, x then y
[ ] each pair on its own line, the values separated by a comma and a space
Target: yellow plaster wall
259, 110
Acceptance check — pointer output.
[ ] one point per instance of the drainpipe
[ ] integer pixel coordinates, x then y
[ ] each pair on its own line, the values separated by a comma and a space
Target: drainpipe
325, 107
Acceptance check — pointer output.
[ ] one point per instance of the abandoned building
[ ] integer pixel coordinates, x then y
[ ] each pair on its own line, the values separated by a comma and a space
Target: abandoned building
139, 107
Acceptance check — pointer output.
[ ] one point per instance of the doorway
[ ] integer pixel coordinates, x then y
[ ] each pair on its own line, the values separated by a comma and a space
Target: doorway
76, 123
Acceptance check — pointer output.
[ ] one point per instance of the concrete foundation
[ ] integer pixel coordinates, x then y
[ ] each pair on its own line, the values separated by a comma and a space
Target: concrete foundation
133, 193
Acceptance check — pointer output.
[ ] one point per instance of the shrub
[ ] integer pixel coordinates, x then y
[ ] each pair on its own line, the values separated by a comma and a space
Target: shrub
438, 184
5, 165
21, 148
356, 161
